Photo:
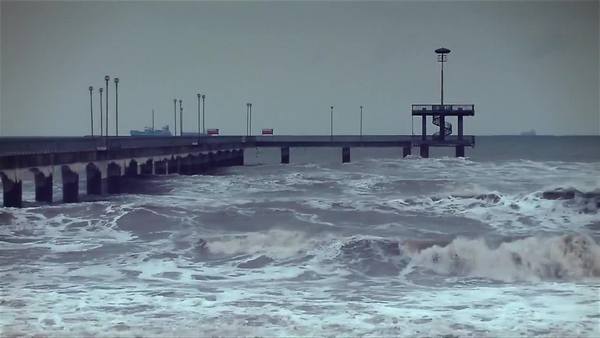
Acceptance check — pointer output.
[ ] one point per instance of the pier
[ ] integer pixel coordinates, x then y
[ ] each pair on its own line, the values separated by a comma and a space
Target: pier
105, 160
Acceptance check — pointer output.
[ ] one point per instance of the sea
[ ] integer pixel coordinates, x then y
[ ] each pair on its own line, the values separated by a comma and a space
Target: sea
502, 243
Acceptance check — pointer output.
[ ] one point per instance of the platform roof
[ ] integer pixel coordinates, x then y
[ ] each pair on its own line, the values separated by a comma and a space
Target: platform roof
443, 109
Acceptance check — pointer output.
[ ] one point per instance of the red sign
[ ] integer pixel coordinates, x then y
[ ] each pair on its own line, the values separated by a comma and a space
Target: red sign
212, 131
267, 131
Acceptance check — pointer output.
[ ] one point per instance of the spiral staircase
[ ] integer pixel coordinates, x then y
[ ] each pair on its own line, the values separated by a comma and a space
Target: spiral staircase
447, 126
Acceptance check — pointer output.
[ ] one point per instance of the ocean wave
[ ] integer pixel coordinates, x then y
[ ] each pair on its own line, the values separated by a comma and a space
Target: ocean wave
566, 257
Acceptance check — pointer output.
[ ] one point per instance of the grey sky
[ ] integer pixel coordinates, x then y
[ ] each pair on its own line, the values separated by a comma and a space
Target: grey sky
526, 65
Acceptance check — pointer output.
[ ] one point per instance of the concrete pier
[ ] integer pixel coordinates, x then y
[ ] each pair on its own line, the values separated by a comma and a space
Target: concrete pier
113, 178
162, 155
285, 155
43, 186
70, 183
12, 191
93, 179
345, 154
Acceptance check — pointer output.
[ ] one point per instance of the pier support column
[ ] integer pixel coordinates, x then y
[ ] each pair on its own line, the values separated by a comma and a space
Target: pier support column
93, 179
460, 151
203, 162
423, 127
185, 167
160, 167
285, 155
345, 154
212, 160
113, 178
43, 186
460, 127
131, 170
424, 150
146, 167
12, 192
406, 151
70, 182
172, 165
239, 157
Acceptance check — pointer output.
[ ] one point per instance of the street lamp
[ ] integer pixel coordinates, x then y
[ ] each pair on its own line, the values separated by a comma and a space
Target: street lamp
101, 117
331, 122
199, 96
250, 119
203, 126
442, 57
361, 112
106, 78
174, 117
247, 119
91, 89
180, 117
116, 106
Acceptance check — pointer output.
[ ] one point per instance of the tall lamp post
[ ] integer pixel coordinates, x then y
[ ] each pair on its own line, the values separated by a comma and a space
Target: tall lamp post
116, 106
106, 78
203, 125
442, 57
361, 113
247, 119
91, 89
174, 117
250, 130
180, 117
101, 117
199, 96
331, 122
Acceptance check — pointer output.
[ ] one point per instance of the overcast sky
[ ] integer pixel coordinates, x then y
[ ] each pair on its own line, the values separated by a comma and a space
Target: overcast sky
525, 65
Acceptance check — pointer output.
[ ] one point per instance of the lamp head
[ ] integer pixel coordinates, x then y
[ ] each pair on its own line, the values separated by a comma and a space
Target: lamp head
116, 80
106, 78
100, 89
203, 96
331, 107
199, 95
91, 88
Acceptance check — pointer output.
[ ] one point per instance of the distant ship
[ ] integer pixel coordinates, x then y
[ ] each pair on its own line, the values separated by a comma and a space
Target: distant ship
149, 131
529, 133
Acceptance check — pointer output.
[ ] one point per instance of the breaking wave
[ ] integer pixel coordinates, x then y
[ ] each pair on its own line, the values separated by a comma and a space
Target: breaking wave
567, 257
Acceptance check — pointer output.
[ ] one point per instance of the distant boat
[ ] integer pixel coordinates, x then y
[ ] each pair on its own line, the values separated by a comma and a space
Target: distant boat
149, 131
528, 133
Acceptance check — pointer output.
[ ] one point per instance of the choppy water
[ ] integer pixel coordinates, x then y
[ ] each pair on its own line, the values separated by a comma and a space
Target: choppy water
380, 246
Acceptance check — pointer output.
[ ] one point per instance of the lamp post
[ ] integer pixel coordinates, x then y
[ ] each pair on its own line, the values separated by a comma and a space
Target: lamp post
116, 106
174, 117
250, 119
106, 78
101, 117
199, 96
247, 119
91, 89
361, 113
442, 57
331, 122
203, 125
180, 117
